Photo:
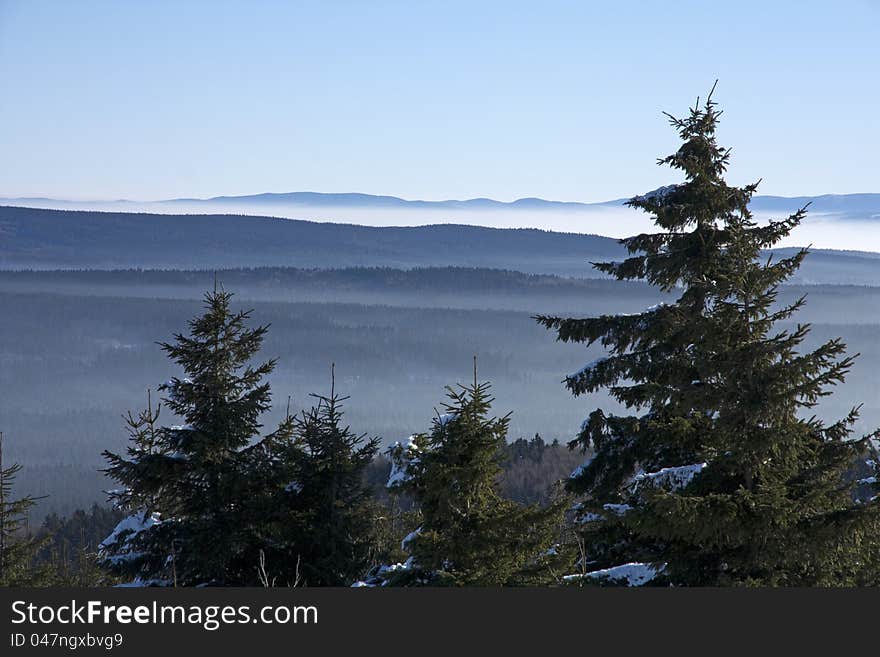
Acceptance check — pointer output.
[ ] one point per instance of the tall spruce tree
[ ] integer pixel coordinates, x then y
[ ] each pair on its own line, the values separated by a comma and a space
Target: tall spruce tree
325, 516
18, 548
469, 535
719, 475
197, 491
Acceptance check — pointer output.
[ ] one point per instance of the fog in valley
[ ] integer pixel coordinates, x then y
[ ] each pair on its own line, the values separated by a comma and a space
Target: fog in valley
401, 312
78, 349
840, 222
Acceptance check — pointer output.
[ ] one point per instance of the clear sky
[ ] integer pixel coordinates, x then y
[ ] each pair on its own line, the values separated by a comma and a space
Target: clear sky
433, 100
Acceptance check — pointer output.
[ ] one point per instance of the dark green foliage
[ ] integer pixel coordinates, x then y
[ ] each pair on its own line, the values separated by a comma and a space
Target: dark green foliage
18, 548
325, 519
71, 547
196, 489
469, 535
755, 489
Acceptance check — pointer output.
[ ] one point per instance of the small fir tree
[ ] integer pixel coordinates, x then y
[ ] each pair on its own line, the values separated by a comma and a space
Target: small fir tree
469, 535
196, 490
18, 549
718, 476
327, 517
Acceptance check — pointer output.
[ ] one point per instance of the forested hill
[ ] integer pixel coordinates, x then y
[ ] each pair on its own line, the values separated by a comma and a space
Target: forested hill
62, 239
49, 239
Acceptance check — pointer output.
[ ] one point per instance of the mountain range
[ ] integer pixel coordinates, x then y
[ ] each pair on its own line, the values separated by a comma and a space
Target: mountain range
866, 205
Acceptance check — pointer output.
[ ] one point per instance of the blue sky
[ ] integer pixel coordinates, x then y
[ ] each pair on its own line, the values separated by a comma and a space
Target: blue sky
563, 100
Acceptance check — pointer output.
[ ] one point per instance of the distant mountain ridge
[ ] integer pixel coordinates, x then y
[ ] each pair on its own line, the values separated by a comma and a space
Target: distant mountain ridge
864, 204
380, 201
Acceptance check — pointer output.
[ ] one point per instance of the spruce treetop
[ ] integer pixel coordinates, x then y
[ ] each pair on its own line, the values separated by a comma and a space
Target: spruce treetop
222, 395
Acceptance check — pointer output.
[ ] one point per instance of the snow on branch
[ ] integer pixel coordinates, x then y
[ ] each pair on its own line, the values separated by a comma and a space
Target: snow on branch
137, 583
657, 195
120, 539
578, 471
617, 509
584, 516
674, 478
402, 455
588, 368
409, 537
382, 574
589, 516
634, 574
446, 418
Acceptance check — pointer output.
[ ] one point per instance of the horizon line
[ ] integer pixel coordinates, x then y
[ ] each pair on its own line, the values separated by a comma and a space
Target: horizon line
227, 197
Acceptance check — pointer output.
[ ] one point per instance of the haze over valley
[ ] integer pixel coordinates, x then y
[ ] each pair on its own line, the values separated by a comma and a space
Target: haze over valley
835, 221
400, 311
